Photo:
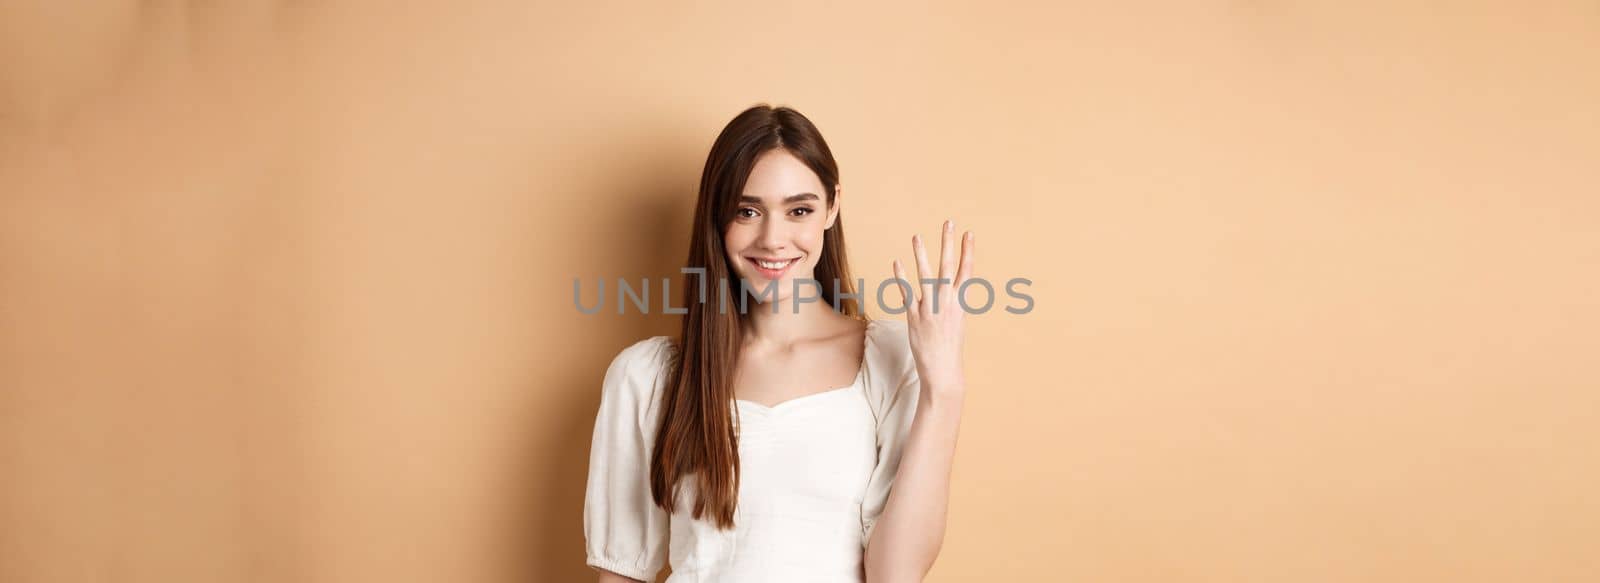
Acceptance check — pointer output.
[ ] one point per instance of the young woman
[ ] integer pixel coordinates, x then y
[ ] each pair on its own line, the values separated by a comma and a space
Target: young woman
780, 437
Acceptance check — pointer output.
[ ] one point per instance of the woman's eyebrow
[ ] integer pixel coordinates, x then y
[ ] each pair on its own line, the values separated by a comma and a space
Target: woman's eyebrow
786, 200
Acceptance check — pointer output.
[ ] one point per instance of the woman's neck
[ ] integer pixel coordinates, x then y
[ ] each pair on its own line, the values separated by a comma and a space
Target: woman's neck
787, 327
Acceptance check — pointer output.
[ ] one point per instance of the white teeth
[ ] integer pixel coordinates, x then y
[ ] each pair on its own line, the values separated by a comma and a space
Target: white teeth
771, 265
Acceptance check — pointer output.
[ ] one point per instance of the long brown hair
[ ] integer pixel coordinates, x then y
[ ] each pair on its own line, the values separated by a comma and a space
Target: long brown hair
696, 437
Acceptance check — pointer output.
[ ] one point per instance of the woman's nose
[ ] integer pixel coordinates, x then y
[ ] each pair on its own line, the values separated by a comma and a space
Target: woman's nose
772, 234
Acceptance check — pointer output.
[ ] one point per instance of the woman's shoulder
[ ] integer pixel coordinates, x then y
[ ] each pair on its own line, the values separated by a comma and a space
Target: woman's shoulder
652, 349
888, 354
889, 338
638, 366
887, 326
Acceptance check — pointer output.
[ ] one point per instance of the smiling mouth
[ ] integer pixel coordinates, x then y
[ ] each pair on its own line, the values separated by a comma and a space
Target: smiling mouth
772, 268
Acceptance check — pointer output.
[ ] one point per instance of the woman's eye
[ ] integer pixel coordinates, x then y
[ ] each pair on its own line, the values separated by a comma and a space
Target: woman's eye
742, 215
805, 210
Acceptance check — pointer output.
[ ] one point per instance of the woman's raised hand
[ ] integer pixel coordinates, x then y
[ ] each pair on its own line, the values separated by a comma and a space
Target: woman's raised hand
935, 321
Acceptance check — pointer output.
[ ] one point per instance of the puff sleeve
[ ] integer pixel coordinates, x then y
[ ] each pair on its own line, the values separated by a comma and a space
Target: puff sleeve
624, 531
893, 391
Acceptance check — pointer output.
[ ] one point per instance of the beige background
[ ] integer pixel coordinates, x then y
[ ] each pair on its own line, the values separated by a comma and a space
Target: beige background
287, 286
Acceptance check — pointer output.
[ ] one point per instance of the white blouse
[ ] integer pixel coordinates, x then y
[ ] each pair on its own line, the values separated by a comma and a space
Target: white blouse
815, 473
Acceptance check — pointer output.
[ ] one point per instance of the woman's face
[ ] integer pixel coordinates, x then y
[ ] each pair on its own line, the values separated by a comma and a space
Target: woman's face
777, 232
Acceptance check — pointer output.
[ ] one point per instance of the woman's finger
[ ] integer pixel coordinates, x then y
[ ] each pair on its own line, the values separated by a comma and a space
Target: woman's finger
947, 251
905, 299
968, 243
923, 271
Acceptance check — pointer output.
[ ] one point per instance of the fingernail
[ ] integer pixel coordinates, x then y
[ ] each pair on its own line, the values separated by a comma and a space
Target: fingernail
947, 224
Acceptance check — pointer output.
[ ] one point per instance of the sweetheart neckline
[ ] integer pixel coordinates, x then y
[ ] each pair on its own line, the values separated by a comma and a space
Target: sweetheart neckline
861, 372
